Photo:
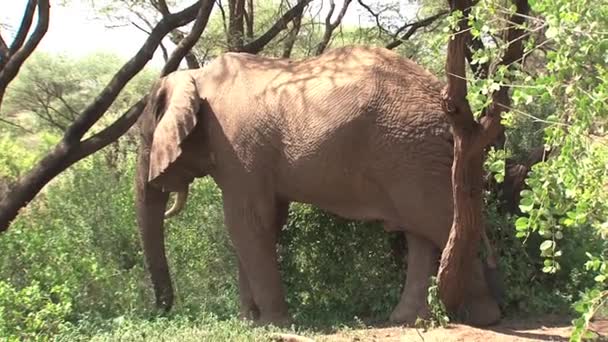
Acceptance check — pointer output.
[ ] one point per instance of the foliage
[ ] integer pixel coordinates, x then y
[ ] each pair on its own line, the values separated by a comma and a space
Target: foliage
85, 227
362, 267
438, 314
51, 90
559, 96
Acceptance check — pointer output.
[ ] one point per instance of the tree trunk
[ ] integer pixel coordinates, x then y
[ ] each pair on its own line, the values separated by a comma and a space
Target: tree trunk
470, 139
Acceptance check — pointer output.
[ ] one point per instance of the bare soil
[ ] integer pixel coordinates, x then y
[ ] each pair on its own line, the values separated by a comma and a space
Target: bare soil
545, 329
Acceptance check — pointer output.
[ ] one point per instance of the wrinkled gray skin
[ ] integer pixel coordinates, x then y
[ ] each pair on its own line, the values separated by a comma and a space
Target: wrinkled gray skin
357, 131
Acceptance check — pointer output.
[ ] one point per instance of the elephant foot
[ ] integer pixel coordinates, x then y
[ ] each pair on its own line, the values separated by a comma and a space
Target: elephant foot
480, 312
249, 313
281, 321
164, 299
407, 315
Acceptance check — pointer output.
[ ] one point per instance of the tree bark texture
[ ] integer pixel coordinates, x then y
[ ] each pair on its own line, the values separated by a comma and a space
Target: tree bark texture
470, 141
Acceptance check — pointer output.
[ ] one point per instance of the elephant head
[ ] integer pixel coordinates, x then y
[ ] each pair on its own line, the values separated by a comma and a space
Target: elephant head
165, 164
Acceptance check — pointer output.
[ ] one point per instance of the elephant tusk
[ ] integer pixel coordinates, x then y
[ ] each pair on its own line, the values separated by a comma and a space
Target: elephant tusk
178, 205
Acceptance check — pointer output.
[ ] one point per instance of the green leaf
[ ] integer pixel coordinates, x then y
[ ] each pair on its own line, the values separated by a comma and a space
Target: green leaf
526, 204
552, 32
547, 245
521, 224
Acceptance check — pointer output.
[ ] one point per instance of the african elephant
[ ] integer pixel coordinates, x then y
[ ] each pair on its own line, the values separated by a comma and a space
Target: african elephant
357, 131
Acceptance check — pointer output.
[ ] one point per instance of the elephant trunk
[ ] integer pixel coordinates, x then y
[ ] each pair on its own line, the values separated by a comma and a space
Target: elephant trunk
151, 203
179, 204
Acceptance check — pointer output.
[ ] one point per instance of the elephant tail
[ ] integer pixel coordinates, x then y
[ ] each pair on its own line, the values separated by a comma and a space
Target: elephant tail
179, 204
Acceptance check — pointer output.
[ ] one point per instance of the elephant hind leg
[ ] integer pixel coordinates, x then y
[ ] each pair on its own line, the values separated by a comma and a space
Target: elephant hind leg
421, 265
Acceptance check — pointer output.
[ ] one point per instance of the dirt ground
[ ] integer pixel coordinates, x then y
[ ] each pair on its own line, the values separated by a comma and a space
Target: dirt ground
546, 329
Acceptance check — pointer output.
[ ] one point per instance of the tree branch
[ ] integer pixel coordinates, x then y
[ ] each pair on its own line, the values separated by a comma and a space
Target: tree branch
162, 46
101, 104
24, 28
293, 34
17, 58
281, 24
331, 26
249, 19
110, 133
514, 53
375, 15
188, 42
4, 52
161, 6
413, 27
16, 125
236, 9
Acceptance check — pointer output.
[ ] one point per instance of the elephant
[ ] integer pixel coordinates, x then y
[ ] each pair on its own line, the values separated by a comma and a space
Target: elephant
358, 131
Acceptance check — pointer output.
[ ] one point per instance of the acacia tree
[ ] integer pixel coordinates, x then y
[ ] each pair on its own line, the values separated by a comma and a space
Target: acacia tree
72, 147
471, 137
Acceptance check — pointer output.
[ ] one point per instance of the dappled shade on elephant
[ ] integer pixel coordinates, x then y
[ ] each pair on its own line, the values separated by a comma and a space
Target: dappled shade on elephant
357, 131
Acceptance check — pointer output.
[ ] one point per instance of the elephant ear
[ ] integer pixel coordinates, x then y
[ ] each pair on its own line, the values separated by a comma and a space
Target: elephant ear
175, 124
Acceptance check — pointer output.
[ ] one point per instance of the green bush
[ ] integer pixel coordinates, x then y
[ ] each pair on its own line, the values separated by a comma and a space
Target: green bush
336, 270
34, 311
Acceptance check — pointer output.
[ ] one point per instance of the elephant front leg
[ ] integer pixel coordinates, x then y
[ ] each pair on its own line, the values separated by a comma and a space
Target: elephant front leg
252, 227
248, 310
421, 265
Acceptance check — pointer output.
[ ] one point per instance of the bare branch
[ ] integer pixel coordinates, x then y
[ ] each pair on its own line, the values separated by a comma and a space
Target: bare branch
236, 9
375, 15
188, 42
161, 6
24, 28
162, 46
281, 24
16, 60
293, 34
413, 27
8, 122
224, 22
249, 19
331, 26
176, 36
110, 133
